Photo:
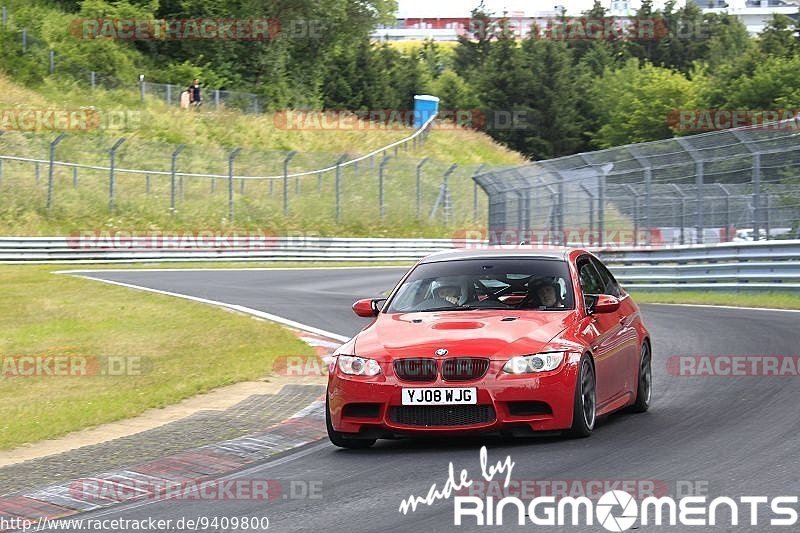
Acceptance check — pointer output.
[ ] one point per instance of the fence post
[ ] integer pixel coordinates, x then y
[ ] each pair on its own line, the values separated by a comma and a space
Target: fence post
36, 172
52, 61
475, 191
635, 196
337, 185
727, 210
756, 183
74, 177
216, 98
286, 161
380, 183
590, 241
169, 94
419, 182
147, 183
141, 87
173, 167
683, 212
446, 183
230, 182
24, 40
699, 178
601, 203
93, 79
111, 175
51, 169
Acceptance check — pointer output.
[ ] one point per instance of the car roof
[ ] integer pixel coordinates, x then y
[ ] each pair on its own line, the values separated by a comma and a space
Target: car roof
500, 252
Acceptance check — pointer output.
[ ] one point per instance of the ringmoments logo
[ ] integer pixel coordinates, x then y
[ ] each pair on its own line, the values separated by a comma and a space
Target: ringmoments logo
615, 510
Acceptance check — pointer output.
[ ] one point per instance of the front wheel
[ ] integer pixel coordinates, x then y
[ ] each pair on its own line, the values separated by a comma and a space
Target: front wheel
585, 401
340, 439
645, 388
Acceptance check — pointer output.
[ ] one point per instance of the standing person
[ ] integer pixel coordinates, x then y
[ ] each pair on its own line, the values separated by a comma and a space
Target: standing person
194, 93
186, 98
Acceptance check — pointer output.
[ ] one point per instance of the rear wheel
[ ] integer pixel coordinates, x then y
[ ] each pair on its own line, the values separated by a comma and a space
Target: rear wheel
585, 401
645, 388
341, 439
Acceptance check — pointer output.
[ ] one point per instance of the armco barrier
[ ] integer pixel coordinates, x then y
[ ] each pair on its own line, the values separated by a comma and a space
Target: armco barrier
750, 266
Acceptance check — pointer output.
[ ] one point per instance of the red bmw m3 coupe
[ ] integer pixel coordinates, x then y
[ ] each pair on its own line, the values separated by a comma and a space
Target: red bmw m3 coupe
518, 342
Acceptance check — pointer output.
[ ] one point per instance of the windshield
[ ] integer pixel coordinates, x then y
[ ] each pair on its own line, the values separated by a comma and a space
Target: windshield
533, 284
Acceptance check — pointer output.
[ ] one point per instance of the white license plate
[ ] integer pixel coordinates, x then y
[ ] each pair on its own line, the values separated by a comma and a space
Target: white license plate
440, 396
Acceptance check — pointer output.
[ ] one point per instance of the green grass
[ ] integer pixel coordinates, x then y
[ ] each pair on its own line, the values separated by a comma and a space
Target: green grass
154, 130
185, 349
773, 300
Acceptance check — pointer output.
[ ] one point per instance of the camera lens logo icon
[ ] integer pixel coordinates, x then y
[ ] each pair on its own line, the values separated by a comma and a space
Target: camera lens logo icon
614, 519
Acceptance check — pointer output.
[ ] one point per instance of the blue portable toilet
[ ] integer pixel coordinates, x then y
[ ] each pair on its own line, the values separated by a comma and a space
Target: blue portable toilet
425, 106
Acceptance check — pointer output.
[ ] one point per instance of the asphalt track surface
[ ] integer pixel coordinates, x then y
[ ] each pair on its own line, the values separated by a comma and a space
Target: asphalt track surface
731, 436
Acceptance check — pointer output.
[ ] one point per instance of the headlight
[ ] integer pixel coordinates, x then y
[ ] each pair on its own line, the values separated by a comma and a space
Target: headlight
358, 366
540, 362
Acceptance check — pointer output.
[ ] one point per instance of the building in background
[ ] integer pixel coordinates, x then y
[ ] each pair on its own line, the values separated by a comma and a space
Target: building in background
443, 24
754, 14
446, 24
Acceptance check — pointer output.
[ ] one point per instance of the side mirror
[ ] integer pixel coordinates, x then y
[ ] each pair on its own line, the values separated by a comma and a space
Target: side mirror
368, 307
606, 304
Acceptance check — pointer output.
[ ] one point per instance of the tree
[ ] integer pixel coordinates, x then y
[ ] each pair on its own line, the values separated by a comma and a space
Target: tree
634, 103
728, 40
778, 37
505, 87
555, 125
474, 48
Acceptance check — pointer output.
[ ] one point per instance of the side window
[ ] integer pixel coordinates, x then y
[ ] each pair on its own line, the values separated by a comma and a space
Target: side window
590, 280
610, 284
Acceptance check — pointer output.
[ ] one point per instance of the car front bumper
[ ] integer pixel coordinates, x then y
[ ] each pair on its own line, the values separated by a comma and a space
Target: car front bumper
513, 403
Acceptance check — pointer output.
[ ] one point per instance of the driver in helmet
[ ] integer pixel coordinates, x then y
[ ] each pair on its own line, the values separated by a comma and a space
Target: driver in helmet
548, 294
450, 293
544, 293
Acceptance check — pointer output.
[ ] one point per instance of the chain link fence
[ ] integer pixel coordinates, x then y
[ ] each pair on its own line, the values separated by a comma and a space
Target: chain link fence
733, 185
78, 173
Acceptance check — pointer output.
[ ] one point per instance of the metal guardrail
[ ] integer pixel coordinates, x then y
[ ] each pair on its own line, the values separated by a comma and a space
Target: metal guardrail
15, 250
755, 266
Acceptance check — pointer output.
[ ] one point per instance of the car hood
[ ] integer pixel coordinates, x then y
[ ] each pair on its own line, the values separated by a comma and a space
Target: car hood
478, 333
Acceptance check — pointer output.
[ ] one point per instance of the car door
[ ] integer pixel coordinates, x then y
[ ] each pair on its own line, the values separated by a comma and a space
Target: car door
626, 338
602, 331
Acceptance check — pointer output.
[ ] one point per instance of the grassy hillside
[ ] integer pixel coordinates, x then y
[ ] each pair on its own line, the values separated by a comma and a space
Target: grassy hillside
153, 130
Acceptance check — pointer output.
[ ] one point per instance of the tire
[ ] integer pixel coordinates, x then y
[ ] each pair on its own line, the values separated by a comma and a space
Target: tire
340, 439
644, 389
584, 408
